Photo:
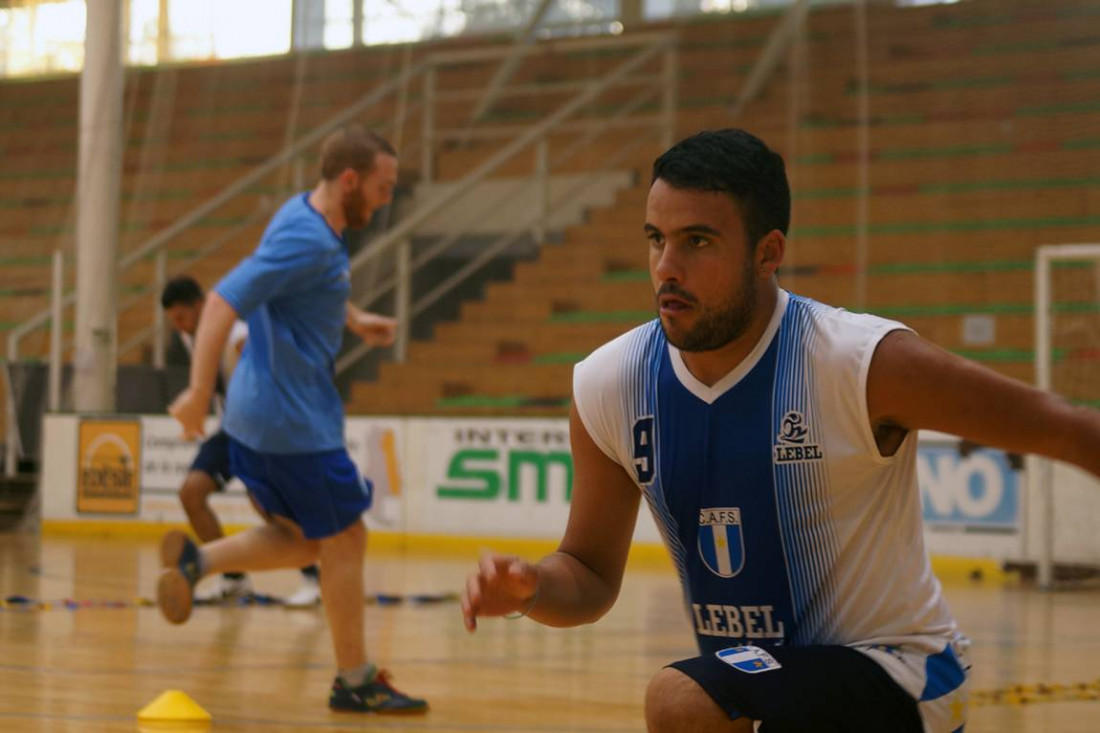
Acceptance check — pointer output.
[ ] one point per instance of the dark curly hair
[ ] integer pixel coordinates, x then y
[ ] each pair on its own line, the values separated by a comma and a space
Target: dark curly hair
738, 163
183, 290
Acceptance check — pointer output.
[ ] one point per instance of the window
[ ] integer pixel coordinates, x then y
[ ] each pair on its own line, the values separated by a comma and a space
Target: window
42, 38
227, 29
339, 23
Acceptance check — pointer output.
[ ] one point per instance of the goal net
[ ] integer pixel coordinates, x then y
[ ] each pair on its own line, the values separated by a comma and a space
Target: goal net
1065, 502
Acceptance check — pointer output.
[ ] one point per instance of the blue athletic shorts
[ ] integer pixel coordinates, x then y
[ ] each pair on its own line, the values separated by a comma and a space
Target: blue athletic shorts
323, 493
213, 459
794, 689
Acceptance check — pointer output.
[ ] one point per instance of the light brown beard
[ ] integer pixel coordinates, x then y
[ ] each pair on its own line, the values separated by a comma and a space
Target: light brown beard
353, 205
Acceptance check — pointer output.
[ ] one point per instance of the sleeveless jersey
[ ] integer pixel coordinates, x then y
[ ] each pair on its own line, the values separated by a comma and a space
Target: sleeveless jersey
784, 521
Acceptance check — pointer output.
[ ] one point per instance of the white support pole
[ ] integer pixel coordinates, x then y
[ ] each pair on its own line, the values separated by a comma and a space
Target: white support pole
542, 189
159, 331
403, 297
98, 177
1043, 382
57, 328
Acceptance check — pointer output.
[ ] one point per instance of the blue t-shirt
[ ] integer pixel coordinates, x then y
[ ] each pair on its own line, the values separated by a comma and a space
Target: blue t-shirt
293, 292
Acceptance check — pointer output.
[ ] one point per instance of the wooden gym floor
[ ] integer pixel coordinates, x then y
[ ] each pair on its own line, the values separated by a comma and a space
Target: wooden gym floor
268, 669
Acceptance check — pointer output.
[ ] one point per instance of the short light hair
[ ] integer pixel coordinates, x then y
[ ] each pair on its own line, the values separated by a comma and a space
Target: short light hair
352, 146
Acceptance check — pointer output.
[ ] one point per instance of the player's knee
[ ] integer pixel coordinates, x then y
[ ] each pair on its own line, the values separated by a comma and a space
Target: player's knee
675, 703
664, 707
311, 552
356, 534
195, 490
351, 539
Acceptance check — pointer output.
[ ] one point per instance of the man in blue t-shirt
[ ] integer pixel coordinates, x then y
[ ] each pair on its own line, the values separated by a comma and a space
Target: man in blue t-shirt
182, 300
284, 416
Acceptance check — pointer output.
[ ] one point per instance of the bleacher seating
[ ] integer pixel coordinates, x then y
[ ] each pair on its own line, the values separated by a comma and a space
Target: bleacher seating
984, 144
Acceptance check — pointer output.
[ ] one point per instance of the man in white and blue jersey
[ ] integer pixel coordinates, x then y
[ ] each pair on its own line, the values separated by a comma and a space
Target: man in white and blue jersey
774, 440
284, 416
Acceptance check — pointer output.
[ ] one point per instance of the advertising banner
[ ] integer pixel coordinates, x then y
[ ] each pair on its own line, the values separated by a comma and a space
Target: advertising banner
166, 456
494, 477
108, 477
976, 492
473, 477
503, 478
377, 446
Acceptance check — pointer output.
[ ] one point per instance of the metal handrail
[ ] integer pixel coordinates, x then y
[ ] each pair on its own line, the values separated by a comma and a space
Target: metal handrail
781, 37
534, 89
289, 151
162, 238
524, 37
437, 248
497, 131
623, 75
136, 298
559, 159
500, 244
532, 135
557, 45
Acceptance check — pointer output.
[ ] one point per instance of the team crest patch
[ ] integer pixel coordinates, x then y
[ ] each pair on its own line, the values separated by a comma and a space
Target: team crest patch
749, 659
793, 443
721, 542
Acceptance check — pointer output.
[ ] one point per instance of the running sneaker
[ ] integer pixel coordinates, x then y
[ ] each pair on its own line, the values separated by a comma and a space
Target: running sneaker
176, 586
375, 696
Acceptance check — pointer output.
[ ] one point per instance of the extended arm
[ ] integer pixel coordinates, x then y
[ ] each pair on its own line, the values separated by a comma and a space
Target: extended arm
373, 329
580, 582
191, 407
914, 384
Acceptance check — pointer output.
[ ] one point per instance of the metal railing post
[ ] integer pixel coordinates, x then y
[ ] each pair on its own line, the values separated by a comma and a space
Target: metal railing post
427, 126
770, 56
160, 279
405, 228
1043, 381
403, 299
297, 175
240, 186
12, 444
542, 189
524, 37
670, 96
57, 327
863, 155
653, 49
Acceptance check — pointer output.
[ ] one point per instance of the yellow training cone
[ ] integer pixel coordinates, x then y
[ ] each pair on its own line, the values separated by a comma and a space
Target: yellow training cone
173, 706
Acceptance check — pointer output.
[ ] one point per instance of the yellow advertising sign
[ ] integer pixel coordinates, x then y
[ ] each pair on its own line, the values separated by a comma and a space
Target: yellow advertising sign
109, 467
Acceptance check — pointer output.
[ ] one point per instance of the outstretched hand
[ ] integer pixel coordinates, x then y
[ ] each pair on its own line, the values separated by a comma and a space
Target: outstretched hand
501, 584
190, 409
373, 329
